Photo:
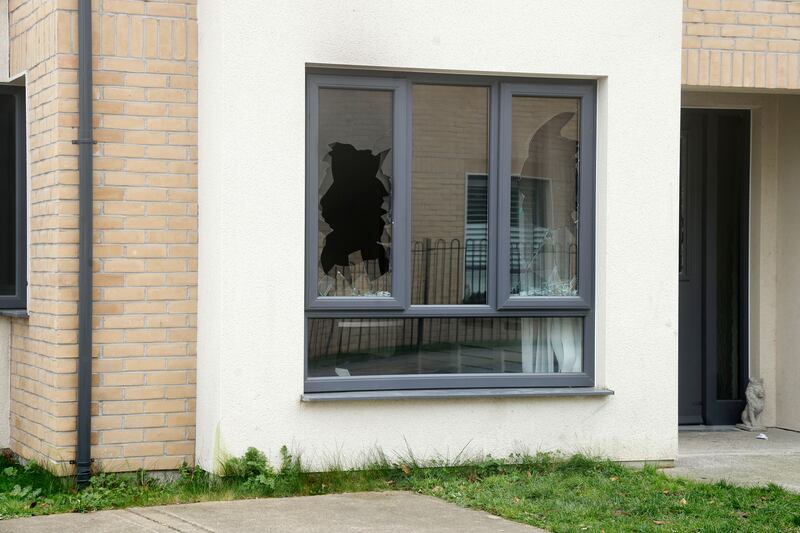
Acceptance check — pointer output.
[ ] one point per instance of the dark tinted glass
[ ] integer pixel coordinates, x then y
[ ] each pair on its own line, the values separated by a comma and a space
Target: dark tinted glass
8, 197
396, 346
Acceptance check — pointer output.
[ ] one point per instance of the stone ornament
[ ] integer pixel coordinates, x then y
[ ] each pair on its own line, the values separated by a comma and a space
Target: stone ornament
755, 405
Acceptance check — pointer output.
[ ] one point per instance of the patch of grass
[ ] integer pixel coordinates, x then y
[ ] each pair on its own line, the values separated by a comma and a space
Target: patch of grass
558, 494
583, 494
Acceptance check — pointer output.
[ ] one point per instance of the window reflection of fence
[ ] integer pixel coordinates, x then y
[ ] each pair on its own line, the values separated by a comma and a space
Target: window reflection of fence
533, 266
380, 344
449, 272
443, 272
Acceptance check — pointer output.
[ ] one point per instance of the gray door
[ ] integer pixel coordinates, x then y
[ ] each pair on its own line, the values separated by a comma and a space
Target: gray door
690, 273
713, 265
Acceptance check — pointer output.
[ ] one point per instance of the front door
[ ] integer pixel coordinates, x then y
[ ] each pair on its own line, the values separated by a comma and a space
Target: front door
713, 265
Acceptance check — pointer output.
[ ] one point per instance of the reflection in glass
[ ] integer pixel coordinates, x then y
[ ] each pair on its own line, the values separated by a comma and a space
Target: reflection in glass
544, 196
354, 151
396, 346
729, 238
449, 194
8, 197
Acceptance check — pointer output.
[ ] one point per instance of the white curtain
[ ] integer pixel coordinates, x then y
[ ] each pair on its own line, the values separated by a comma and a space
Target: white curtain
546, 341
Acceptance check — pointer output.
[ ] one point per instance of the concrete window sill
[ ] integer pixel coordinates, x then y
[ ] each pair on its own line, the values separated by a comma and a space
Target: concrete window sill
14, 313
454, 393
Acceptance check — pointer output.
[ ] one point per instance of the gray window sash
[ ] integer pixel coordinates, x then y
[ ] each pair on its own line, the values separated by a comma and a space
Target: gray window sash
463, 381
586, 194
491, 267
399, 249
19, 299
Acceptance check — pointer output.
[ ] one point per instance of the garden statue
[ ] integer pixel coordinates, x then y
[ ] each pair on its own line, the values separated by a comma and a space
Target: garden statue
755, 405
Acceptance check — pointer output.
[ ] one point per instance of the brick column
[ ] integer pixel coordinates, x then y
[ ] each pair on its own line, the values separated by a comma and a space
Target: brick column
741, 43
145, 243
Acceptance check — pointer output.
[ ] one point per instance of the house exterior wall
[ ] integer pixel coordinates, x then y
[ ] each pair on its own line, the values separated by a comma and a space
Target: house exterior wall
4, 71
251, 316
5, 381
788, 338
145, 76
741, 43
43, 345
754, 45
145, 240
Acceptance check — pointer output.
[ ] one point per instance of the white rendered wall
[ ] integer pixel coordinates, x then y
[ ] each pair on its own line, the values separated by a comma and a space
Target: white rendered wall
788, 280
253, 57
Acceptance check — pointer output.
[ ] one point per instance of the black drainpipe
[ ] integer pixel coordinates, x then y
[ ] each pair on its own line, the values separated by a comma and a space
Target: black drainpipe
83, 460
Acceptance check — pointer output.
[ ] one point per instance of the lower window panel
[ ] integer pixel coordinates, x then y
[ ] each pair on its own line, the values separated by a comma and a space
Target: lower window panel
347, 347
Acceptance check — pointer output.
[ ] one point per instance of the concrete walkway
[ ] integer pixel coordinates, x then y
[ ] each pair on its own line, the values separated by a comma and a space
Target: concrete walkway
373, 512
726, 453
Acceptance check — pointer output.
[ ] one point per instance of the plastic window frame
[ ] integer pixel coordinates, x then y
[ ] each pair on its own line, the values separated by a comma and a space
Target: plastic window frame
399, 201
498, 305
18, 300
585, 94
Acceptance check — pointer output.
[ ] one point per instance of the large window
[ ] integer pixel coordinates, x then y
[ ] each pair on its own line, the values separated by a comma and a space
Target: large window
12, 198
450, 232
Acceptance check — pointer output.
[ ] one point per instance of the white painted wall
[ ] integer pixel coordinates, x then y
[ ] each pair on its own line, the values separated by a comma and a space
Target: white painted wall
253, 57
788, 271
5, 381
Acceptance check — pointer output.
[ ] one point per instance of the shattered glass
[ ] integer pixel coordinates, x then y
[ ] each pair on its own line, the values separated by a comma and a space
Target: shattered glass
544, 196
354, 151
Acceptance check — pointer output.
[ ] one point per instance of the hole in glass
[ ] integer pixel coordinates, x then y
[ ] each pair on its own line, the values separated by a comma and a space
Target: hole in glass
354, 151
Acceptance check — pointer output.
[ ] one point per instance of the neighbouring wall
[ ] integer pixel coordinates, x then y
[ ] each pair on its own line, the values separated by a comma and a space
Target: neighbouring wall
5, 381
4, 40
741, 43
251, 282
788, 280
145, 238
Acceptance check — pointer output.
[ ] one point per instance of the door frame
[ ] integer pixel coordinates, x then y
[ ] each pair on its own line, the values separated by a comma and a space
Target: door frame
715, 411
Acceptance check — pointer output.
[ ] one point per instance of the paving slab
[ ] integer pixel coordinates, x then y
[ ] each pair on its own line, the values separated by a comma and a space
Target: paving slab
373, 512
739, 457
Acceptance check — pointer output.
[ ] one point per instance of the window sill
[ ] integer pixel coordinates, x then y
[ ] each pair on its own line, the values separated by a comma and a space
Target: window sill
14, 313
426, 394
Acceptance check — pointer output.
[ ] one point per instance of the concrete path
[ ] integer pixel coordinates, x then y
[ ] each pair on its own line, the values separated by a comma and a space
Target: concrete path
373, 512
739, 457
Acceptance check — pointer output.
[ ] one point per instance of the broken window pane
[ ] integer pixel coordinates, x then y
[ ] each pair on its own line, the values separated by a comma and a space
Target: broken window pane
466, 345
449, 194
354, 151
544, 196
8, 197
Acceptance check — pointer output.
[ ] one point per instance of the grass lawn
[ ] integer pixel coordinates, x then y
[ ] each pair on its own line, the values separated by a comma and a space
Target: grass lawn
558, 494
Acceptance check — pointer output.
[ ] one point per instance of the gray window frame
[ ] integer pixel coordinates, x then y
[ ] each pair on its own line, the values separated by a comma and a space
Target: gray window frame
586, 196
497, 306
399, 246
18, 300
